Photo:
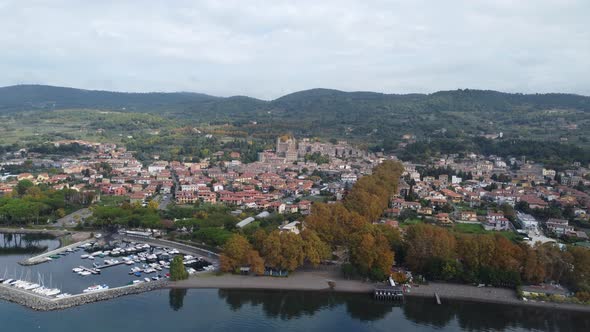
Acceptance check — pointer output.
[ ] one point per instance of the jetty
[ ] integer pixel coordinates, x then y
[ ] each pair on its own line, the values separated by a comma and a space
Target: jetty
100, 267
43, 303
390, 293
44, 257
93, 271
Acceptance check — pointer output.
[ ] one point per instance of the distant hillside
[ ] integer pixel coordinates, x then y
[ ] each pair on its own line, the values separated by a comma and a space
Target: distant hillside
31, 97
375, 118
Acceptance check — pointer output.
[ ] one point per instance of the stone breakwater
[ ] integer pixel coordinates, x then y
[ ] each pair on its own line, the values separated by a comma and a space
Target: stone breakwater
41, 303
43, 257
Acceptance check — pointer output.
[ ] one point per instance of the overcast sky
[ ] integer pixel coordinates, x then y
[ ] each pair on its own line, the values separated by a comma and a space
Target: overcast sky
269, 48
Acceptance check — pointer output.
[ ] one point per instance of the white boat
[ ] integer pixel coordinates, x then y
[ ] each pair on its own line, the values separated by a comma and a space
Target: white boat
146, 279
32, 286
53, 292
84, 256
97, 253
84, 273
63, 295
95, 288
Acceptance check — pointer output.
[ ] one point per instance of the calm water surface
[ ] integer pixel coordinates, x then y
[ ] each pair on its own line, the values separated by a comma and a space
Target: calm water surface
239, 310
58, 273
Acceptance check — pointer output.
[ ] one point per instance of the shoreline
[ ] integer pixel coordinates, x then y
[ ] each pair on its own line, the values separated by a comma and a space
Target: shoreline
53, 232
317, 281
314, 281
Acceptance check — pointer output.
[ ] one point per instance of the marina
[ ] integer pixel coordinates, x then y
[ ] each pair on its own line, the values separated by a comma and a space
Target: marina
86, 268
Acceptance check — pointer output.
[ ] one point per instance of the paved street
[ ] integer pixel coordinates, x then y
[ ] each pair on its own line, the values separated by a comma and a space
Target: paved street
72, 219
163, 201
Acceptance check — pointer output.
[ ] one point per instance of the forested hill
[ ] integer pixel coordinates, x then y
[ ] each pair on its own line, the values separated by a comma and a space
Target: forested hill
31, 97
375, 118
28, 97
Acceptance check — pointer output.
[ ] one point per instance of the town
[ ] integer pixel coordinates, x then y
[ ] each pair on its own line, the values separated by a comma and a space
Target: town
205, 202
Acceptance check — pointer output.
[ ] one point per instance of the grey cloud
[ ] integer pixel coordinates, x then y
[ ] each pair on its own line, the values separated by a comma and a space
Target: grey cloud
269, 48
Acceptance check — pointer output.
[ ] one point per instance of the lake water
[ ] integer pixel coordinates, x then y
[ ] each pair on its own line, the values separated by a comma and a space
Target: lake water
58, 273
239, 310
223, 310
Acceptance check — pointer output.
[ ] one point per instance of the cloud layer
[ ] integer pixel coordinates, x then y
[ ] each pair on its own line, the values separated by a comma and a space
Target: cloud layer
269, 48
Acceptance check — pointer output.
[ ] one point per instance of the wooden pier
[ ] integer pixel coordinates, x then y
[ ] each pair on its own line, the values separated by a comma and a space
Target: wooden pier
390, 293
93, 271
100, 267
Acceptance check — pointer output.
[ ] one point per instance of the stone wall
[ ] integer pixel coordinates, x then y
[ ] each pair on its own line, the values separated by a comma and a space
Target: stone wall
43, 257
41, 303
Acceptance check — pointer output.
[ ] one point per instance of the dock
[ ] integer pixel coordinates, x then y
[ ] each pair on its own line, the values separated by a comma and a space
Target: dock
42, 258
100, 267
391, 293
93, 271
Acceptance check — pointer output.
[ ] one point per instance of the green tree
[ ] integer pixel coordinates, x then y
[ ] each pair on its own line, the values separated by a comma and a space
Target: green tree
177, 269
22, 186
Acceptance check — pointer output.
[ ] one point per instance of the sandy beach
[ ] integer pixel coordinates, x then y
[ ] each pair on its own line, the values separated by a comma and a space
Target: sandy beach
318, 281
310, 281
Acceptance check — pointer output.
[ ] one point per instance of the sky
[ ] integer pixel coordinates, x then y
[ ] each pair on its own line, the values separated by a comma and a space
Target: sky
266, 49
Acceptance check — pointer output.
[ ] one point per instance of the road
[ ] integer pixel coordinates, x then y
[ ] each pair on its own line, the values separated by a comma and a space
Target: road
72, 219
162, 201
537, 235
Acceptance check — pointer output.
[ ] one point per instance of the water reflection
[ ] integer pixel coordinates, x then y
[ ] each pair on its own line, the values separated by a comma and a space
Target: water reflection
177, 298
288, 305
470, 316
489, 316
21, 244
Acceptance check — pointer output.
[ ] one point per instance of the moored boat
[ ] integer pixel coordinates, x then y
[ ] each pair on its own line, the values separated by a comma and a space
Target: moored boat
95, 288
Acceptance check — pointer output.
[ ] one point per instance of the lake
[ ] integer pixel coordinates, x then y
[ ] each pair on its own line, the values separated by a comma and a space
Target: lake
242, 310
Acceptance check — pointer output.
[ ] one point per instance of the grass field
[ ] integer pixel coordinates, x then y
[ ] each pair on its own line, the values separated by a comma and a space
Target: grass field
469, 228
478, 229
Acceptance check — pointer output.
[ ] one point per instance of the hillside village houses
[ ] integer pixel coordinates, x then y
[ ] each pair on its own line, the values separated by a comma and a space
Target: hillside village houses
491, 182
276, 182
446, 190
